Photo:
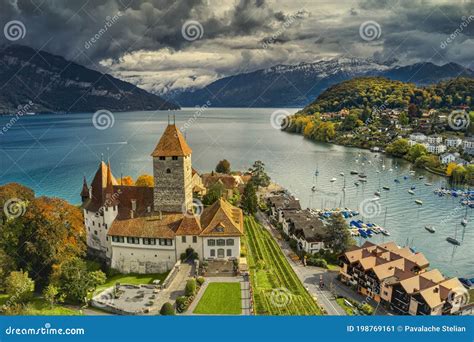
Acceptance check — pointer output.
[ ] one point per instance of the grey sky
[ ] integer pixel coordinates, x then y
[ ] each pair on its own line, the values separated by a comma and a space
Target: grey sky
143, 42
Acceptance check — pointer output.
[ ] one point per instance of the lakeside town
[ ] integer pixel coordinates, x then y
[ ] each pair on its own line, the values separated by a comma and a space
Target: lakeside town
435, 140
179, 242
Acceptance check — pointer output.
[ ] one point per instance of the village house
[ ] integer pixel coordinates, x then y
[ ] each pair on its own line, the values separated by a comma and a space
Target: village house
399, 279
416, 138
453, 142
230, 183
435, 139
468, 146
447, 158
146, 229
436, 148
280, 203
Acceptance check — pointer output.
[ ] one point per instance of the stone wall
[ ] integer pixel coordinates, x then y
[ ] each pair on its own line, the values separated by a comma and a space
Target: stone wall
173, 184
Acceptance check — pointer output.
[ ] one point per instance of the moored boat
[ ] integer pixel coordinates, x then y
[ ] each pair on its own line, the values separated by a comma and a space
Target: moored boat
411, 192
431, 229
418, 201
453, 241
385, 188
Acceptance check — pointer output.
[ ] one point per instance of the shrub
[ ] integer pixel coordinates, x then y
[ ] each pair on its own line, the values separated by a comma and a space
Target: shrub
182, 256
190, 289
167, 310
367, 309
317, 262
293, 244
19, 287
200, 280
182, 303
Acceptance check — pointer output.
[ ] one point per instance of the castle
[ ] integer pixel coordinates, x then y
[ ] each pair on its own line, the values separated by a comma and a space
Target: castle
145, 229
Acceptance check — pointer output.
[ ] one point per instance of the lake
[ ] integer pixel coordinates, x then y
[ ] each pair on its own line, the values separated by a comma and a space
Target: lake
51, 154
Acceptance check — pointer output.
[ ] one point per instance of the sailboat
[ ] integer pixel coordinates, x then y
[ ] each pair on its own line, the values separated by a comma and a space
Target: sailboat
431, 229
377, 193
383, 230
316, 174
464, 220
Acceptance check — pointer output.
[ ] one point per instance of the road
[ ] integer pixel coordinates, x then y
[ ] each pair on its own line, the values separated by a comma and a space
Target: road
310, 277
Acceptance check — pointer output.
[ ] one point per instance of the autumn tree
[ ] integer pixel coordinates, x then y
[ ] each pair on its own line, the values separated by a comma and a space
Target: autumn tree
145, 180
126, 180
223, 166
46, 232
450, 168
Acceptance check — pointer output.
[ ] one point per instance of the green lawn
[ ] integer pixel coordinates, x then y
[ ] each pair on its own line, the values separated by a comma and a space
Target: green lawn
349, 310
220, 299
38, 306
131, 278
276, 288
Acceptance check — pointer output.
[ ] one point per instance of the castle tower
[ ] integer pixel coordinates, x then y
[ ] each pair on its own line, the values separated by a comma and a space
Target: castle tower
172, 172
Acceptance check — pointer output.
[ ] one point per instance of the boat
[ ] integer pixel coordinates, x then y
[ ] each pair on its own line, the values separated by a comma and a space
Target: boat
428, 184
342, 174
362, 175
384, 232
385, 188
313, 189
431, 229
420, 202
333, 179
411, 192
413, 187
377, 194
363, 180
356, 184
353, 172
421, 177
396, 181
453, 241
464, 220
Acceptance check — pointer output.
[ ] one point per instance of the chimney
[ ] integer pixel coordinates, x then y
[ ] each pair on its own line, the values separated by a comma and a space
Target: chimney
131, 213
134, 204
148, 209
161, 216
90, 192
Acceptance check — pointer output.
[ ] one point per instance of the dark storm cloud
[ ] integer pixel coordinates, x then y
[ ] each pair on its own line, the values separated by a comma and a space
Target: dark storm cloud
65, 26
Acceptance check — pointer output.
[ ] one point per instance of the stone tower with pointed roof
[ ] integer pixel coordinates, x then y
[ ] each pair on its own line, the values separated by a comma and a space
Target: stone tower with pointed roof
172, 172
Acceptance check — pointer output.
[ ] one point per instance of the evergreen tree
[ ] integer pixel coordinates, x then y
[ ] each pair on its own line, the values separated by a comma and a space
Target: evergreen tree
249, 198
338, 235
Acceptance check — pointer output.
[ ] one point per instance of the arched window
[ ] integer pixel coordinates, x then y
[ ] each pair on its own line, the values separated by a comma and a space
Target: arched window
168, 170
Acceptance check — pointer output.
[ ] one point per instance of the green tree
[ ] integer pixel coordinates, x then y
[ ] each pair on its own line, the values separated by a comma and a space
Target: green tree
338, 235
75, 281
403, 119
259, 176
350, 122
416, 151
51, 295
223, 166
213, 194
167, 309
20, 287
398, 148
249, 198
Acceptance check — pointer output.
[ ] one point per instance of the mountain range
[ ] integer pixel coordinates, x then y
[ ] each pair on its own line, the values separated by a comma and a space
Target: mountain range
298, 85
54, 84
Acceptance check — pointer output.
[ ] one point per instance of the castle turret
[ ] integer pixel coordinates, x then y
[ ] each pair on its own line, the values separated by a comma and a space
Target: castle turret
172, 172
85, 194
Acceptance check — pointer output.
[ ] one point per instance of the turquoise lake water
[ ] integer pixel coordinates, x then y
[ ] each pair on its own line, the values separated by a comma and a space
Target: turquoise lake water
51, 153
